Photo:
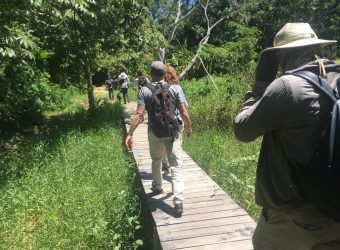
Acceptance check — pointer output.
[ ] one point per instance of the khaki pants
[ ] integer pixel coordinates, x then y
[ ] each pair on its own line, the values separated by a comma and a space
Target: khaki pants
302, 228
173, 148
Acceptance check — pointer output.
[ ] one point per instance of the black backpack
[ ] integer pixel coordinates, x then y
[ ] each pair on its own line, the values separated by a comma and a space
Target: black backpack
163, 118
320, 182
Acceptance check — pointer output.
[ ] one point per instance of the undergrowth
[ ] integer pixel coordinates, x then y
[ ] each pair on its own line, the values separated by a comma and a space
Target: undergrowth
70, 185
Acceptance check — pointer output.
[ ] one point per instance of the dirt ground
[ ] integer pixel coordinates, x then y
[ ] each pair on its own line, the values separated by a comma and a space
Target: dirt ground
100, 91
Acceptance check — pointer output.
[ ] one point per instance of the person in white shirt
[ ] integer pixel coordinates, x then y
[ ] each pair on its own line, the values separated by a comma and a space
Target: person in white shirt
124, 81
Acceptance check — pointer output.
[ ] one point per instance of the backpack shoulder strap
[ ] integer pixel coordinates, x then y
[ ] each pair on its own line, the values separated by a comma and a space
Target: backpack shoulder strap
323, 85
318, 82
166, 86
158, 85
151, 87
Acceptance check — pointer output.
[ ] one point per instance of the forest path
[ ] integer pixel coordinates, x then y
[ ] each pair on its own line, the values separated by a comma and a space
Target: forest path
211, 219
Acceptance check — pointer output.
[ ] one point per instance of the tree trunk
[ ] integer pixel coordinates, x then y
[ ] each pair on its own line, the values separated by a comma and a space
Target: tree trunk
88, 76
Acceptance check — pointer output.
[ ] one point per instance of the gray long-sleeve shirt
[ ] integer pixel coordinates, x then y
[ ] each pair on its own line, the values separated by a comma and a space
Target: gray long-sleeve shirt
290, 115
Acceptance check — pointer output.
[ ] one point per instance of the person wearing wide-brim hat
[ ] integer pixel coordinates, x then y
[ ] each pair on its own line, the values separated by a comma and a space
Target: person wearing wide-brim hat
290, 114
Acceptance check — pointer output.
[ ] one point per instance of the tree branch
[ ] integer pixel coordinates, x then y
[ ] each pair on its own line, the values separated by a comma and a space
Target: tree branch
206, 71
203, 41
179, 18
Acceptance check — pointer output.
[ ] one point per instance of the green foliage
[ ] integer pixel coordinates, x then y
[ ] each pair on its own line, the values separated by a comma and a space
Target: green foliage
194, 28
59, 42
239, 52
164, 13
215, 108
16, 43
178, 56
133, 59
26, 94
70, 185
323, 16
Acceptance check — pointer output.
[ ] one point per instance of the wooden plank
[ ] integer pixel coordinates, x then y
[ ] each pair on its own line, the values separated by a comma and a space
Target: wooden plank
187, 185
244, 229
189, 200
207, 224
190, 195
203, 204
192, 202
206, 240
194, 176
167, 220
196, 211
233, 245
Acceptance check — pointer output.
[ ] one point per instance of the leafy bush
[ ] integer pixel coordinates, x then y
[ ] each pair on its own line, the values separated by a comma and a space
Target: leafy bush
238, 52
26, 94
214, 106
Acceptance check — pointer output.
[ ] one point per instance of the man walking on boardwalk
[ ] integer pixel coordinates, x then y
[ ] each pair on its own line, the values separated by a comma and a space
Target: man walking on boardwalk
172, 143
291, 115
124, 87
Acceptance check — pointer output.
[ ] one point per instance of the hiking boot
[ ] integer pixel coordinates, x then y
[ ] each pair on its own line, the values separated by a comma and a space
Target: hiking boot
165, 167
178, 209
156, 191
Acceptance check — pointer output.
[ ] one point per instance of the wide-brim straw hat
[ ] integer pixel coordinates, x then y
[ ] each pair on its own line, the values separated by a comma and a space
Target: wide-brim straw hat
294, 35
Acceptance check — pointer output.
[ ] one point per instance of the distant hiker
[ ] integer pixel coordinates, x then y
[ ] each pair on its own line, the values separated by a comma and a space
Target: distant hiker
291, 114
163, 130
117, 87
109, 85
124, 81
142, 80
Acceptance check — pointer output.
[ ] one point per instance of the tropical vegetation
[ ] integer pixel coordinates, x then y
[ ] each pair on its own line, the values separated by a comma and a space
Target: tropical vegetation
65, 180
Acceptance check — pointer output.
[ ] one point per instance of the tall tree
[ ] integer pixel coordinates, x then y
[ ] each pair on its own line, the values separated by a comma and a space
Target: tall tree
61, 39
270, 16
79, 30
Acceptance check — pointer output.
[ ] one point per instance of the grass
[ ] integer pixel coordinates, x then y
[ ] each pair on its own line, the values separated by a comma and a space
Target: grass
75, 104
70, 185
102, 94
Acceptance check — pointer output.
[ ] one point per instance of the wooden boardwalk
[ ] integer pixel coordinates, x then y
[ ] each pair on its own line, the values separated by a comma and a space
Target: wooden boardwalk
211, 219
